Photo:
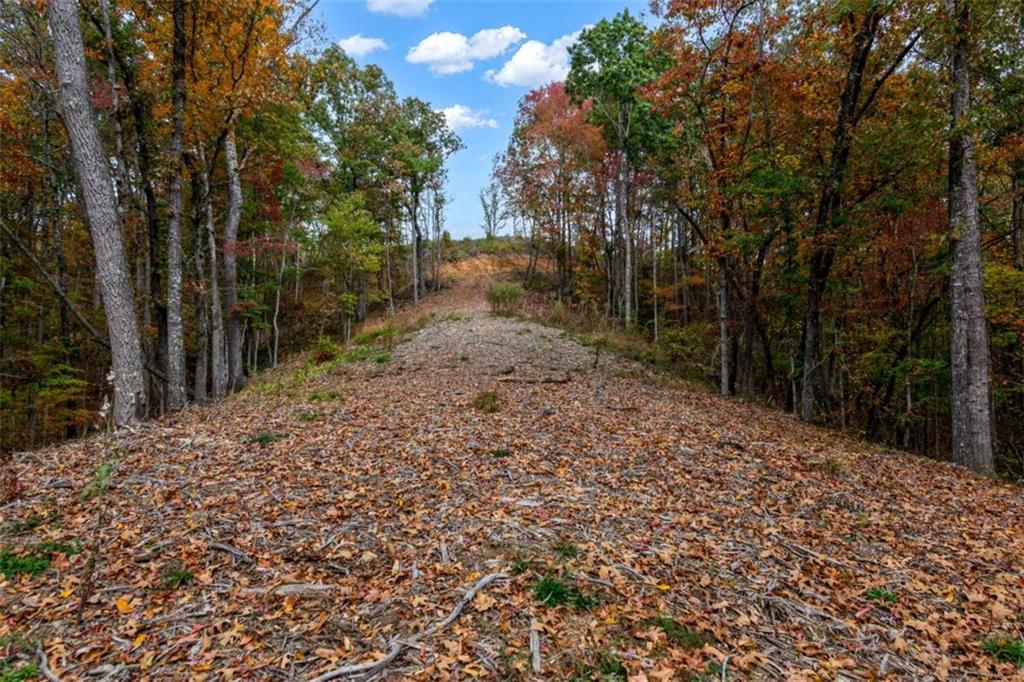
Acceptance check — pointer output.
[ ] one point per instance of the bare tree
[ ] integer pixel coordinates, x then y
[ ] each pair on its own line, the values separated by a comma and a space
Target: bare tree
93, 173
972, 425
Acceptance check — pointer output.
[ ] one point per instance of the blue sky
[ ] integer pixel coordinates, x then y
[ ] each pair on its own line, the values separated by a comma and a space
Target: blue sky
474, 59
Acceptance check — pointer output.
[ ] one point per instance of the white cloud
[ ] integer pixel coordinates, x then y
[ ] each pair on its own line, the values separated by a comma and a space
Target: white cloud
535, 63
447, 53
360, 46
399, 8
461, 117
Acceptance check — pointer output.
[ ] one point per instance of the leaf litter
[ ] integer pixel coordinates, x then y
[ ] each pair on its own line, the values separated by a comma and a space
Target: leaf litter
378, 535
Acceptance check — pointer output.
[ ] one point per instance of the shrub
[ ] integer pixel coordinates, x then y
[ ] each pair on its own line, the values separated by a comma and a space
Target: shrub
487, 401
500, 452
567, 550
324, 350
265, 438
503, 297
175, 576
386, 334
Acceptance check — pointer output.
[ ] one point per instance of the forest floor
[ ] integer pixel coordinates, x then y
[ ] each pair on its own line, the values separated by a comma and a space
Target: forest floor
481, 501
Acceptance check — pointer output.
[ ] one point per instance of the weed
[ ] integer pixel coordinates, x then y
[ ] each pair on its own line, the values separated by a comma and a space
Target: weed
1004, 649
174, 576
882, 594
10, 671
458, 315
487, 401
363, 353
322, 395
567, 550
520, 566
35, 560
324, 350
681, 635
500, 452
555, 591
264, 438
12, 564
611, 668
31, 522
100, 480
386, 334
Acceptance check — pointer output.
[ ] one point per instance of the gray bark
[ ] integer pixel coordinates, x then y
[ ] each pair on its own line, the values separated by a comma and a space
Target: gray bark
236, 371
218, 350
176, 394
723, 326
202, 294
971, 415
93, 173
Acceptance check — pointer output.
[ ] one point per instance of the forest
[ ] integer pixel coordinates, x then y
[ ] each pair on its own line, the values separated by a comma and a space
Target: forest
254, 197
727, 382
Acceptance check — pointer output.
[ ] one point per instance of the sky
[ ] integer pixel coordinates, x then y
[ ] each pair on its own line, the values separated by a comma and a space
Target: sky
472, 59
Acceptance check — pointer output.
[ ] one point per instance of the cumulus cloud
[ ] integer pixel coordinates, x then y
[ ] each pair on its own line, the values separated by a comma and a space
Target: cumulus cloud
360, 46
535, 63
460, 117
447, 52
399, 8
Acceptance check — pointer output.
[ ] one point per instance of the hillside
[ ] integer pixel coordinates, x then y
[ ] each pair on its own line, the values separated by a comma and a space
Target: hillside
625, 523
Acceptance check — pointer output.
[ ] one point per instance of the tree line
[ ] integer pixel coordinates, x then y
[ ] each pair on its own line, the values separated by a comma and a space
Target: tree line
817, 204
185, 194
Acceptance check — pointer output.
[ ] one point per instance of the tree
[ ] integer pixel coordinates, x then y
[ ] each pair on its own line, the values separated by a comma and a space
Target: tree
101, 213
610, 62
494, 214
176, 393
971, 418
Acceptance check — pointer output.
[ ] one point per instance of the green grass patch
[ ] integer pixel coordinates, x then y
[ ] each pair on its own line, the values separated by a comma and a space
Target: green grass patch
552, 590
458, 315
882, 594
608, 669
174, 576
567, 550
487, 402
35, 560
520, 566
681, 635
324, 350
1004, 649
322, 395
500, 453
30, 522
12, 671
263, 438
386, 334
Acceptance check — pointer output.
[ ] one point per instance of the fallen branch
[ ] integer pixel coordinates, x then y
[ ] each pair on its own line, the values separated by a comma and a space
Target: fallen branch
537, 380
44, 664
233, 551
399, 645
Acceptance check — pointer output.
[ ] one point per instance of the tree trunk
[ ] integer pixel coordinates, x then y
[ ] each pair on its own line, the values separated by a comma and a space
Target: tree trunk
829, 205
218, 349
93, 174
972, 426
202, 292
176, 394
236, 370
723, 326
622, 218
1017, 213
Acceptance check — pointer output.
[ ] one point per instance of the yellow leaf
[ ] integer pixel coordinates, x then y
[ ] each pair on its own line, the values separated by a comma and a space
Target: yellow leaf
664, 588
138, 641
123, 605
